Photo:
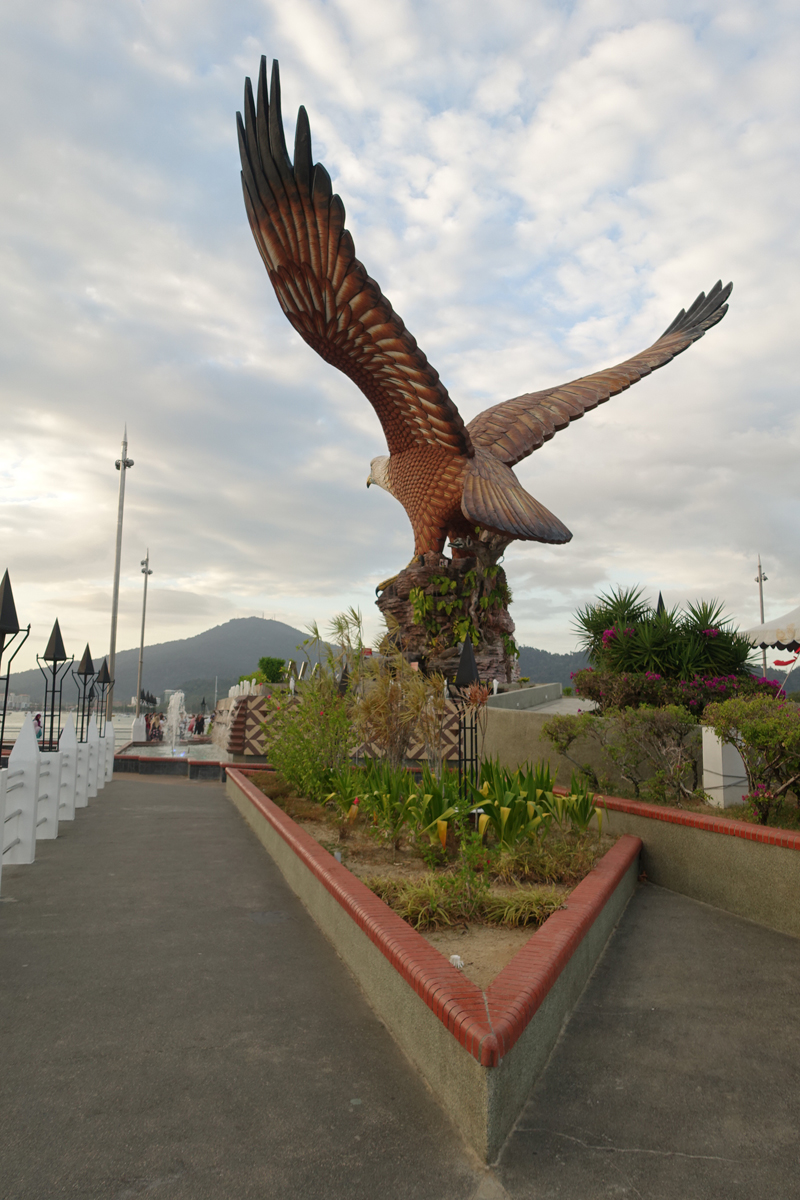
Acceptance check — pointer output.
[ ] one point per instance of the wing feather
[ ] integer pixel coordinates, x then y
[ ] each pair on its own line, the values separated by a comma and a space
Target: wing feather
494, 498
514, 429
299, 228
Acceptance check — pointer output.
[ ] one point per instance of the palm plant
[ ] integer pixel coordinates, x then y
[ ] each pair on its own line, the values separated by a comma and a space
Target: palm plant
622, 634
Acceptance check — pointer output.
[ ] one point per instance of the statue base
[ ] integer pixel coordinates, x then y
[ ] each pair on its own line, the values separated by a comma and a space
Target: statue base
436, 604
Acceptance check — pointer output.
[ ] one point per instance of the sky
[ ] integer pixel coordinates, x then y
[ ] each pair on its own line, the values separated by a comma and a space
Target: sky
538, 188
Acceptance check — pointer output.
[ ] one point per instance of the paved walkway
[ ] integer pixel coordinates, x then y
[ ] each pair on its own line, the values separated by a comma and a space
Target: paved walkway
173, 1025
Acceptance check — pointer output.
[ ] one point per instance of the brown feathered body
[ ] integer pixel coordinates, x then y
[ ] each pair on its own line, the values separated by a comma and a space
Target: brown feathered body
454, 480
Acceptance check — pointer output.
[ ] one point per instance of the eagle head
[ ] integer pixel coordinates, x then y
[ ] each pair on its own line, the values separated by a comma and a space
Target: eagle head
379, 473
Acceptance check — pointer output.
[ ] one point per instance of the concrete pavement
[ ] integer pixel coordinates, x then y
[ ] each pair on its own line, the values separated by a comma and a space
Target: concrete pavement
172, 1024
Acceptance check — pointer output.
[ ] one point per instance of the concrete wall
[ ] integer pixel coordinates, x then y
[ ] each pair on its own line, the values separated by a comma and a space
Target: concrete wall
743, 876
516, 738
527, 697
484, 1102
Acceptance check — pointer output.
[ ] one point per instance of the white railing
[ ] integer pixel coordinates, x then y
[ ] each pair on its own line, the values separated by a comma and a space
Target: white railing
248, 688
40, 788
68, 745
49, 796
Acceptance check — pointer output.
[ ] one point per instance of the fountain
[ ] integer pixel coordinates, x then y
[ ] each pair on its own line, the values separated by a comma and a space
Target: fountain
176, 720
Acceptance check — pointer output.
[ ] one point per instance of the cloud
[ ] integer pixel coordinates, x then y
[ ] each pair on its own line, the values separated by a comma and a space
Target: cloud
538, 188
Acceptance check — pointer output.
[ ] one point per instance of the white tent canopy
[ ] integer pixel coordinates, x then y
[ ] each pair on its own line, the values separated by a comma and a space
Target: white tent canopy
782, 633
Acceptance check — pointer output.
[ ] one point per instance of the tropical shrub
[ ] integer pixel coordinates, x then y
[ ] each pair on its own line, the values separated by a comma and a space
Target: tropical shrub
434, 804
766, 732
519, 806
621, 633
387, 794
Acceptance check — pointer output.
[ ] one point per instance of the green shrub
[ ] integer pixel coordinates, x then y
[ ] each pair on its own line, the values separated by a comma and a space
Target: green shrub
271, 668
766, 732
310, 736
657, 750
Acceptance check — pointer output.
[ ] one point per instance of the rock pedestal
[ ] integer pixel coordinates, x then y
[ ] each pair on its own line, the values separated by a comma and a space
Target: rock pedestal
437, 603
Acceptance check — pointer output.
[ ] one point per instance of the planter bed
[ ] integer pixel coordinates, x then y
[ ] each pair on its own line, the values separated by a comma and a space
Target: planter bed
751, 870
480, 1051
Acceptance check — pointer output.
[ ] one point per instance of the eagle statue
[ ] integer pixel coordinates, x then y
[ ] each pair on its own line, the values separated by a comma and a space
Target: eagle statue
455, 481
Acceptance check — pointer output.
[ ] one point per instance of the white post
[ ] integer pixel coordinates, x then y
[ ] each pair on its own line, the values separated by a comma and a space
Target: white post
3, 778
139, 730
93, 742
22, 789
100, 782
49, 795
724, 776
110, 747
82, 775
68, 745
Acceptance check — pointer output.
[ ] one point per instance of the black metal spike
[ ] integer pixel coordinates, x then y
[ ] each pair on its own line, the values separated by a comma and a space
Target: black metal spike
467, 673
9, 622
103, 675
661, 606
55, 651
86, 666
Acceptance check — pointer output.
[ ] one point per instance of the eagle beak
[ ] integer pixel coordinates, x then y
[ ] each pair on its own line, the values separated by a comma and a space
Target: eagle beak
369, 480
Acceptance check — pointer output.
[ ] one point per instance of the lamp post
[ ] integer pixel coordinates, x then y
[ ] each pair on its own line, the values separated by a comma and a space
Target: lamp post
84, 677
122, 464
103, 682
56, 666
146, 572
9, 628
761, 579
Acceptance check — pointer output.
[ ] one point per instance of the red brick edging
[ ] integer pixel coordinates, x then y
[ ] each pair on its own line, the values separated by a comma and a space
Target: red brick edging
787, 838
486, 1024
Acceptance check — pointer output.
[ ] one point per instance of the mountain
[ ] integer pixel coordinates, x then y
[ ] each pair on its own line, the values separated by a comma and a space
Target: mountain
540, 666
230, 650
191, 664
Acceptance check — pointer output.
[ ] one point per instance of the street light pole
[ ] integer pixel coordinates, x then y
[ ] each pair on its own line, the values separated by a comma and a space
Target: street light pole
145, 571
761, 579
122, 464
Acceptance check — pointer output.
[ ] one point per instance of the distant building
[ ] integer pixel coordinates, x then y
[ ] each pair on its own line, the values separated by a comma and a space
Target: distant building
17, 701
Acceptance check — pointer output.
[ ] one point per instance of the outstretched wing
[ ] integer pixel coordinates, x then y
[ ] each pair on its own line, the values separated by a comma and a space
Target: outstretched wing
514, 429
298, 225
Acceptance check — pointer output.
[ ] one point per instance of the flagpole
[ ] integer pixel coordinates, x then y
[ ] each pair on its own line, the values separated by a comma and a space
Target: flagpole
145, 571
122, 464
